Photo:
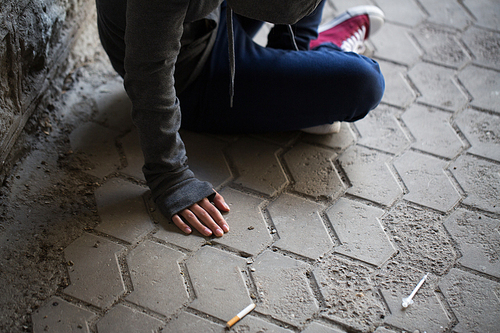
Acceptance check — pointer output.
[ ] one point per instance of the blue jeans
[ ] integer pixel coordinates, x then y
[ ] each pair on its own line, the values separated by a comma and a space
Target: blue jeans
276, 87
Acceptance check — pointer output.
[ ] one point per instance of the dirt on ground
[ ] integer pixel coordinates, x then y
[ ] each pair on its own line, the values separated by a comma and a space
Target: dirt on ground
47, 201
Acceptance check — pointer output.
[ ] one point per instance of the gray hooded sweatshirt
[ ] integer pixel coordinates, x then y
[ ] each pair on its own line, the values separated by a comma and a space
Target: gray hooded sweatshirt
150, 40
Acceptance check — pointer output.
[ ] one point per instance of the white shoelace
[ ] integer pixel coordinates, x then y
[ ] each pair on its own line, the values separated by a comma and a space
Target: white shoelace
355, 43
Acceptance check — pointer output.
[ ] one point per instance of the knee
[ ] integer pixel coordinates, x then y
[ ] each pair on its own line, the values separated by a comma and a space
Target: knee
377, 86
369, 86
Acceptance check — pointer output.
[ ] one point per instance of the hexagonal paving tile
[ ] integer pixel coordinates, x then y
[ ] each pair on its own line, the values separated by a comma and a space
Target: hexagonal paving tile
300, 227
394, 43
98, 145
432, 131
94, 271
187, 322
411, 226
381, 130
397, 89
127, 320
370, 175
57, 315
483, 84
349, 294
206, 158
426, 181
441, 46
255, 324
156, 278
218, 283
122, 210
447, 12
438, 86
484, 46
405, 12
313, 171
284, 288
486, 12
341, 5
412, 318
400, 275
248, 230
257, 166
462, 289
480, 181
318, 328
382, 329
483, 132
360, 233
478, 239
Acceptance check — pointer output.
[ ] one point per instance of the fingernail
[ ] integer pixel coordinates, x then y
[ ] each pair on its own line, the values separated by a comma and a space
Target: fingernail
187, 230
219, 232
225, 227
208, 232
226, 206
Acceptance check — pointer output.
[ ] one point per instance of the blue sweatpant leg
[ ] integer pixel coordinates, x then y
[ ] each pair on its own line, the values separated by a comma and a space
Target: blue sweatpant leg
279, 89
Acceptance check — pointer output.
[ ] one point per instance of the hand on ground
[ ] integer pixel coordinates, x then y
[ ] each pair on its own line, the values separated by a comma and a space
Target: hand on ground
204, 217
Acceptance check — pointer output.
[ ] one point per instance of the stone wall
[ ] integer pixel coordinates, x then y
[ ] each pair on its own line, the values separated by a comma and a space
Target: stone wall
36, 37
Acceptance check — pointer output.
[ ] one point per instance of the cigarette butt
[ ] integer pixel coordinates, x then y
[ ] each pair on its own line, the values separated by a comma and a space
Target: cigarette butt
240, 315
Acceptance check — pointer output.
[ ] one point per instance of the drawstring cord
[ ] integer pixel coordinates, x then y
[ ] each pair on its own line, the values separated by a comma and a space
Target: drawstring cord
292, 37
230, 35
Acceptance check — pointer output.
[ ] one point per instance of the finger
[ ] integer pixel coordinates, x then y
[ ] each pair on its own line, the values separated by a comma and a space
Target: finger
206, 218
214, 213
180, 224
220, 203
193, 214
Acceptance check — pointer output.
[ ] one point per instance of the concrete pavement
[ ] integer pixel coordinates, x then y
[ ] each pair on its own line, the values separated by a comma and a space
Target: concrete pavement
328, 233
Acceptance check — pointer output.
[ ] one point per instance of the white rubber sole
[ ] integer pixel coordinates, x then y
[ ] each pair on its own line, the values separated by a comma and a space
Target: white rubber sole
323, 129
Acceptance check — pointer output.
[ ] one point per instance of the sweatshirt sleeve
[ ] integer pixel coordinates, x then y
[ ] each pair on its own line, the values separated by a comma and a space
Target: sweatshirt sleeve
152, 37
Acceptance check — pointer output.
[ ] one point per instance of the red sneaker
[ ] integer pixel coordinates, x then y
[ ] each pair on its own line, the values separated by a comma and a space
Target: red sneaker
350, 29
